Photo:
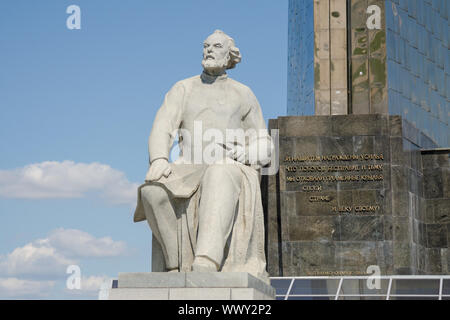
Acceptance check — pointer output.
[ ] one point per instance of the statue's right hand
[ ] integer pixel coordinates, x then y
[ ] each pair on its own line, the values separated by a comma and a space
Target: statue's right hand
157, 169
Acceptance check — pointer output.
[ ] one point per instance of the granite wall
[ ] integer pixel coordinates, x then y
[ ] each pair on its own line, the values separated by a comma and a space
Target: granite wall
432, 223
353, 191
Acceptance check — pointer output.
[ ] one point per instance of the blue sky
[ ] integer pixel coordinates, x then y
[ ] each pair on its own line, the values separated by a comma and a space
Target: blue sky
76, 109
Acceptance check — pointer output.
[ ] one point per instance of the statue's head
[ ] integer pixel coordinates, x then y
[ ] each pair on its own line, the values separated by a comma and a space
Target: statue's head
219, 53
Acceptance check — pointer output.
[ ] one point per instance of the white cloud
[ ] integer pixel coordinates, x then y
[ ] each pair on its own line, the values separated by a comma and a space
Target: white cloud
49, 258
76, 243
67, 179
37, 259
14, 288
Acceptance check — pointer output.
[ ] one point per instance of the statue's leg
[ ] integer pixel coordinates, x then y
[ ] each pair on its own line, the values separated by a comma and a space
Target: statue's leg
221, 186
162, 219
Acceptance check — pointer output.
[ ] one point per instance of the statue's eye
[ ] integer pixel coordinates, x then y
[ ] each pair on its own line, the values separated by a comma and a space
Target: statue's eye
218, 45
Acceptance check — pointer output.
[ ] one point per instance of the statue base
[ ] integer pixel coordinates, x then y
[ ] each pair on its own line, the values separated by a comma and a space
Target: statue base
190, 286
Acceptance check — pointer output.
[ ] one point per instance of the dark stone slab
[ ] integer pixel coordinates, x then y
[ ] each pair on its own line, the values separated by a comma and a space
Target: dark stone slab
398, 155
388, 228
438, 210
287, 204
345, 198
422, 236
445, 261
433, 261
336, 145
357, 228
414, 258
414, 181
424, 213
386, 257
433, 183
413, 205
411, 133
272, 206
308, 257
304, 126
446, 182
448, 232
380, 197
359, 125
402, 229
382, 145
314, 228
273, 260
400, 203
273, 124
403, 271
435, 159
415, 231
399, 178
395, 126
281, 187
357, 256
421, 259
436, 235
364, 145
402, 255
416, 160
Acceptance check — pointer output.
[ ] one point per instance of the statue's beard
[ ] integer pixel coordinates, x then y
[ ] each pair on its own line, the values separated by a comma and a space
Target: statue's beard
214, 65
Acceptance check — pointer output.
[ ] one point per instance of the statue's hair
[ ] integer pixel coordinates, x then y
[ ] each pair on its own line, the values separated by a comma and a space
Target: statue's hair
235, 54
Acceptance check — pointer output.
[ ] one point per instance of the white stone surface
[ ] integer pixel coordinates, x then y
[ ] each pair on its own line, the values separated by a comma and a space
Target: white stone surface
152, 280
227, 279
248, 294
139, 294
199, 294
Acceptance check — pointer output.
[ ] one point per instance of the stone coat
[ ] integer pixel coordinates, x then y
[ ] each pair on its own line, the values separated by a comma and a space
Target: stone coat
219, 104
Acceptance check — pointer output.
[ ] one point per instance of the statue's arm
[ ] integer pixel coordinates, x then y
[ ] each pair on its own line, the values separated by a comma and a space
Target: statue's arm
260, 146
166, 123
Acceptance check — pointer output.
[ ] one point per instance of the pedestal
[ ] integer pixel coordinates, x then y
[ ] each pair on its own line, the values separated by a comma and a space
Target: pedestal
190, 286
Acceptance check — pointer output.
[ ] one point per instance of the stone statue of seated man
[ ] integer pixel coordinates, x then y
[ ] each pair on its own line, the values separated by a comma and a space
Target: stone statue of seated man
205, 209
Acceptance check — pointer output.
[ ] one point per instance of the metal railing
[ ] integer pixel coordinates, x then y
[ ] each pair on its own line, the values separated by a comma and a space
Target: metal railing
436, 287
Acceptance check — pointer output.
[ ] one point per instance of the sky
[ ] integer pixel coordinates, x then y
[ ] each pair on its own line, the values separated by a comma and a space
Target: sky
76, 110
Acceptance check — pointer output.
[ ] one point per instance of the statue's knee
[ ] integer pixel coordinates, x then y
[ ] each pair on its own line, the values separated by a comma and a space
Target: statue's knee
154, 194
216, 172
